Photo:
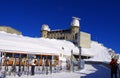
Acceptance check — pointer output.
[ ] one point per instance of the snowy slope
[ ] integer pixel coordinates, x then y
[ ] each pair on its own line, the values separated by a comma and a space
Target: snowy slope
97, 51
19, 43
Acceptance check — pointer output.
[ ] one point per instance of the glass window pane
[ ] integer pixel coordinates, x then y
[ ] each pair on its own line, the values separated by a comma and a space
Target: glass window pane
23, 55
49, 57
37, 56
43, 56
16, 55
8, 54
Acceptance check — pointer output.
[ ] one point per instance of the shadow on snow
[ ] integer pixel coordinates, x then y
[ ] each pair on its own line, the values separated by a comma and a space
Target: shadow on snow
101, 72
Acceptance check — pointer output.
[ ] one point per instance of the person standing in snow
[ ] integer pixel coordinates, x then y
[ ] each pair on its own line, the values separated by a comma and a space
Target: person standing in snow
33, 61
114, 67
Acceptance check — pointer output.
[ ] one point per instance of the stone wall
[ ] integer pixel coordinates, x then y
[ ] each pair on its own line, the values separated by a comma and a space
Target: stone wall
85, 40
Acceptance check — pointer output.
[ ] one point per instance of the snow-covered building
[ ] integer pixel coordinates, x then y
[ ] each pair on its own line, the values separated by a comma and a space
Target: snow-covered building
13, 45
72, 34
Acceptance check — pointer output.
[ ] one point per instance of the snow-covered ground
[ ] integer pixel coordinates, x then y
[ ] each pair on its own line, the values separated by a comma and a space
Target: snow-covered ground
90, 71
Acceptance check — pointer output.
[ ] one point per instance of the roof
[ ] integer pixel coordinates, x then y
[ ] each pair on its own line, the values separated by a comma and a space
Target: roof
19, 43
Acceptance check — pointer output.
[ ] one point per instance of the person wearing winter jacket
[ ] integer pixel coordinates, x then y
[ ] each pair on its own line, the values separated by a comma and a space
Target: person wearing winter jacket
33, 66
114, 67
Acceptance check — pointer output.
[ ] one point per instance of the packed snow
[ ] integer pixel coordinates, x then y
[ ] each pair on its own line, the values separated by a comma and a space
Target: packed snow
90, 71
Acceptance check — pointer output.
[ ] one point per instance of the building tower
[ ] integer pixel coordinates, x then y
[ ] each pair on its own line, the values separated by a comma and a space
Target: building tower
75, 27
44, 30
72, 34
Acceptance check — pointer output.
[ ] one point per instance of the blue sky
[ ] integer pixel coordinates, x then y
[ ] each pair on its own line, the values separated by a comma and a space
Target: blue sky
100, 18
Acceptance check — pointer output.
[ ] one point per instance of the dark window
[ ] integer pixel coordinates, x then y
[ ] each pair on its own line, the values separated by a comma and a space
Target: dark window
76, 36
24, 55
16, 55
73, 37
8, 54
43, 56
49, 57
37, 56
30, 55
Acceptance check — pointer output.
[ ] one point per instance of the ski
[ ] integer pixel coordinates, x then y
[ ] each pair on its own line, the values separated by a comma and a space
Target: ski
23, 65
39, 65
27, 65
19, 68
5, 66
15, 68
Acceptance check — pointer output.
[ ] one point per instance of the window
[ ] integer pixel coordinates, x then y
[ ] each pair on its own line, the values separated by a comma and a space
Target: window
8, 54
76, 36
23, 55
37, 56
49, 57
16, 55
73, 36
43, 56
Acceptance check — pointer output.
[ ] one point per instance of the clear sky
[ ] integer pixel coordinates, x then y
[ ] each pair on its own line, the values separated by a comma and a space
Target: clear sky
100, 18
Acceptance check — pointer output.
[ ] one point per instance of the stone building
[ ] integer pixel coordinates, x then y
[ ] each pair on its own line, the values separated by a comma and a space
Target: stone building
10, 30
72, 34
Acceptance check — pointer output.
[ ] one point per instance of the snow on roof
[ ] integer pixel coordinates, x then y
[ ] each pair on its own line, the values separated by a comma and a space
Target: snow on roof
19, 43
45, 27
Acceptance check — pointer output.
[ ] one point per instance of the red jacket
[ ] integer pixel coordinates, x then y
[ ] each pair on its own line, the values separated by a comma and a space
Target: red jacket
113, 65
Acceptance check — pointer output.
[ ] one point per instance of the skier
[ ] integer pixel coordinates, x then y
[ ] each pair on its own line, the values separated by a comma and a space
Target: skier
114, 67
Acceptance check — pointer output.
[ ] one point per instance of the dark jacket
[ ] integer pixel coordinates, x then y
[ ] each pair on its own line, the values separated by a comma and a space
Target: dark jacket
113, 66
